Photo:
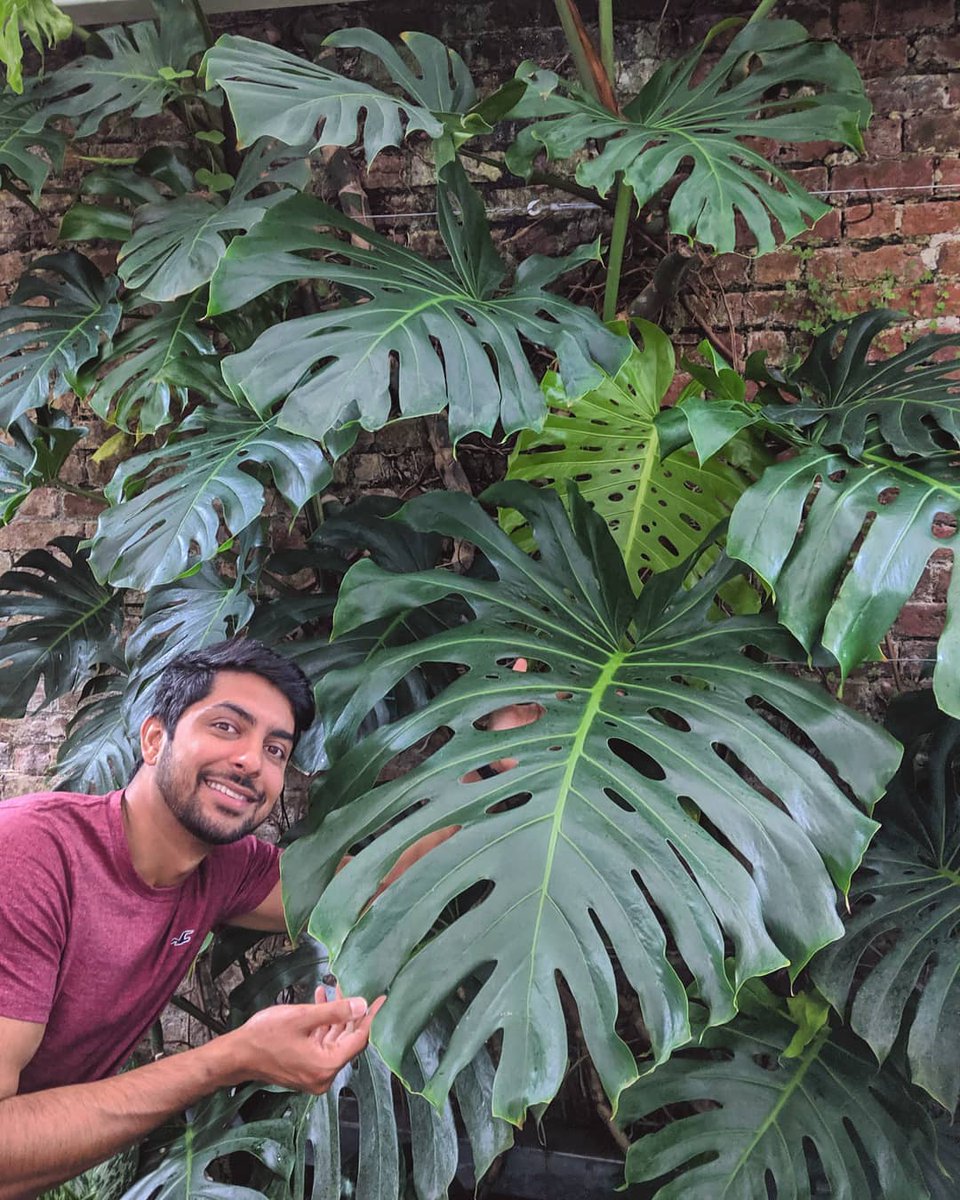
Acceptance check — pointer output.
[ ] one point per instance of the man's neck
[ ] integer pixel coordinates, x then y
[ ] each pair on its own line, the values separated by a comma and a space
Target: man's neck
163, 853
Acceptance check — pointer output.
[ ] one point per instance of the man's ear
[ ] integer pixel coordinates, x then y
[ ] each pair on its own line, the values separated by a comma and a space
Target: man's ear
152, 736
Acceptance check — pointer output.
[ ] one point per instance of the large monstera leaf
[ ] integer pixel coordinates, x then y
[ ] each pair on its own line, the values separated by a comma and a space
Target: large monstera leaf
310, 1136
42, 347
901, 942
775, 1118
450, 330
276, 94
137, 380
21, 137
908, 401
639, 797
177, 244
71, 627
770, 82
658, 511
139, 68
167, 505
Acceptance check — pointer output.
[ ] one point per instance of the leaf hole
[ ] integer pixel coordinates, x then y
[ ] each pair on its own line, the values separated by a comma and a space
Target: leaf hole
639, 759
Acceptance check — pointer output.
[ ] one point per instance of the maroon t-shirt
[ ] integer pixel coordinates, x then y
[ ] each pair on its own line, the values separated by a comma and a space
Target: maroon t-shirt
88, 948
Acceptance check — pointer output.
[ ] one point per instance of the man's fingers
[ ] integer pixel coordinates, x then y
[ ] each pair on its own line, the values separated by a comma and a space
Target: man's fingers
519, 664
336, 1012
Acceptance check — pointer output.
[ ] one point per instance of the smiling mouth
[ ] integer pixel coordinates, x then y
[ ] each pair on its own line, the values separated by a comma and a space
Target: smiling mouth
231, 793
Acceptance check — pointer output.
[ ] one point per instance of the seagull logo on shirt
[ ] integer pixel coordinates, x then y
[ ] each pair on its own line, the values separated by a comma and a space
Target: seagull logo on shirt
182, 938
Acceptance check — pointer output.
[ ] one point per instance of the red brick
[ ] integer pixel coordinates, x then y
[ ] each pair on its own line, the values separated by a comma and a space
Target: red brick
11, 267
82, 506
776, 307
774, 341
858, 179
846, 264
42, 502
936, 131
871, 17
733, 270
827, 229
879, 55
949, 172
884, 137
936, 50
814, 179
920, 620
777, 267
871, 220
932, 216
900, 93
948, 260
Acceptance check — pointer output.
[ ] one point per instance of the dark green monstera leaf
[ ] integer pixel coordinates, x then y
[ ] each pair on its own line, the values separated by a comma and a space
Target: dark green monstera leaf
640, 797
909, 401
775, 1119
137, 68
212, 1130
135, 382
98, 752
658, 511
33, 456
380, 1110
177, 244
116, 191
449, 329
843, 546
898, 965
71, 628
770, 82
22, 136
42, 347
276, 94
167, 505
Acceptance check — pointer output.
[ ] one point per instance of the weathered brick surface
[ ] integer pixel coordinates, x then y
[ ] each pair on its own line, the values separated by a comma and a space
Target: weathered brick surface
891, 234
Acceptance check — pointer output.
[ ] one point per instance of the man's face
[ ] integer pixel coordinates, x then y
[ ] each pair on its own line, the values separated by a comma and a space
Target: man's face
222, 771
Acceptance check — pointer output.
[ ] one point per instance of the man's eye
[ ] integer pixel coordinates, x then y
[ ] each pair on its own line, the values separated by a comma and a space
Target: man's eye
224, 725
278, 752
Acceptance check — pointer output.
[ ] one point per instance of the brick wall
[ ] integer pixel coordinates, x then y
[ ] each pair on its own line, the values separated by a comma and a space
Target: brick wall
892, 237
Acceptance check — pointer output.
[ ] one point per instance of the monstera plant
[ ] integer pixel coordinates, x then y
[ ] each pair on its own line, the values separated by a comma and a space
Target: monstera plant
687, 813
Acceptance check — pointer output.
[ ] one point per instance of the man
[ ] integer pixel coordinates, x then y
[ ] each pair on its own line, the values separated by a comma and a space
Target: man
104, 900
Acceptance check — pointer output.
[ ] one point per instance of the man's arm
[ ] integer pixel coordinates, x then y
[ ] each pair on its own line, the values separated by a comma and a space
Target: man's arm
268, 915
47, 1137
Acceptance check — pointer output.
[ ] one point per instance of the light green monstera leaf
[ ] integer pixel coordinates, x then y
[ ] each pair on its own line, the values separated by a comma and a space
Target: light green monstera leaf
40, 21
771, 81
658, 510
640, 813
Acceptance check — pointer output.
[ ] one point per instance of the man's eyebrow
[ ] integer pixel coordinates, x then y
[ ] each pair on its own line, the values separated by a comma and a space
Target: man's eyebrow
251, 720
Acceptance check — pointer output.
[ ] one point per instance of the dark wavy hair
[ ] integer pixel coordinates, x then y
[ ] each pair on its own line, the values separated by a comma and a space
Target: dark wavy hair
188, 679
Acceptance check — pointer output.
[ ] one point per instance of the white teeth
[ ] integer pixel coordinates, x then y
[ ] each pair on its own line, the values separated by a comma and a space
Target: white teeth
222, 787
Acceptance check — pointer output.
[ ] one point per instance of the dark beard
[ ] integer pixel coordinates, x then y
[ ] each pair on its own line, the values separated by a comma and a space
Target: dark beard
186, 806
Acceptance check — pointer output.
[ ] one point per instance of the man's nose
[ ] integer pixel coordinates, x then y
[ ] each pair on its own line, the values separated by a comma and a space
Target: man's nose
248, 756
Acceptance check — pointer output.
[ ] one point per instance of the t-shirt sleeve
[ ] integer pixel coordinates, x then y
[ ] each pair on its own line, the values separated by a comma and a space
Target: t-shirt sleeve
249, 869
34, 916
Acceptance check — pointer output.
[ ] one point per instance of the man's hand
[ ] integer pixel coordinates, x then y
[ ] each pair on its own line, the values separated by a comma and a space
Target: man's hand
303, 1046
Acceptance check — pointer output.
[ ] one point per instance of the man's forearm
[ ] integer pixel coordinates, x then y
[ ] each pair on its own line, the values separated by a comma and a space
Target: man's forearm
47, 1137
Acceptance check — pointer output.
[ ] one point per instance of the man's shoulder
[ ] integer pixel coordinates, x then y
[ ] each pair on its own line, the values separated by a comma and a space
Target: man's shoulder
46, 809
